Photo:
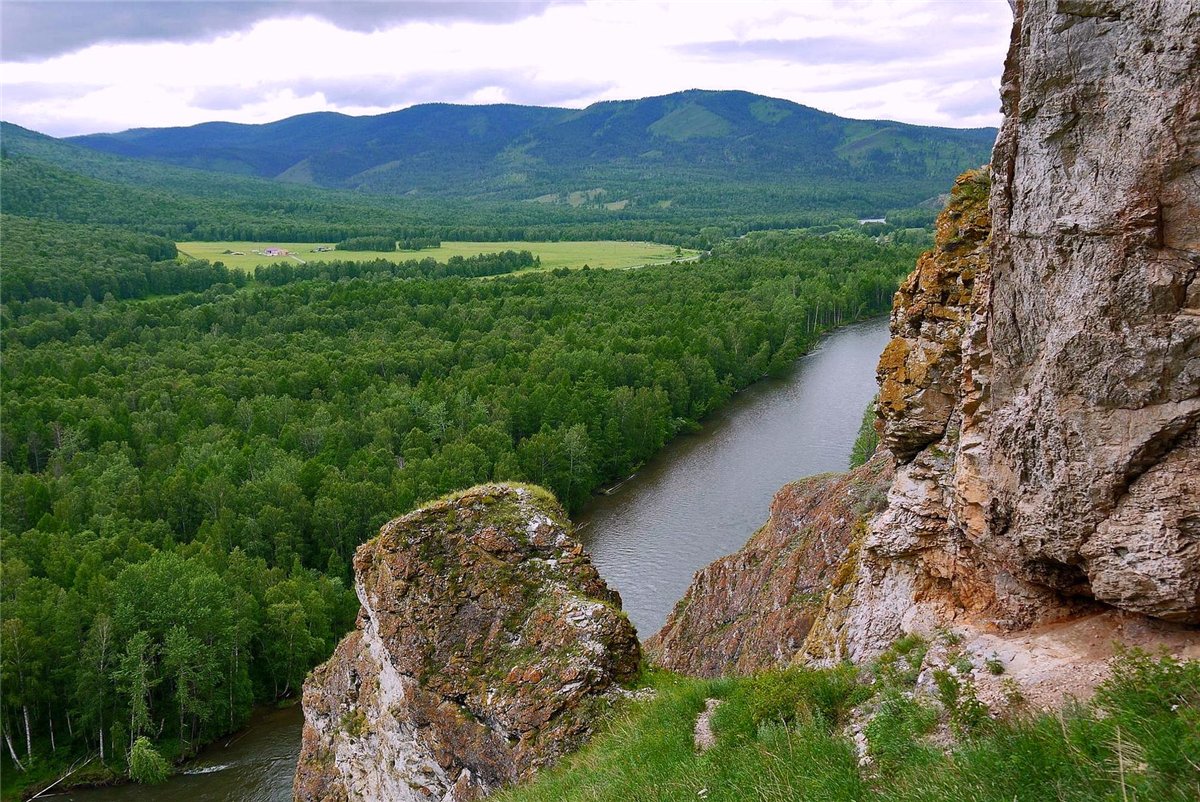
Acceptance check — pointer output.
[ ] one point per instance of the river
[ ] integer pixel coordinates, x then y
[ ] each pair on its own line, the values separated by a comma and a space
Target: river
705, 493
700, 498
255, 765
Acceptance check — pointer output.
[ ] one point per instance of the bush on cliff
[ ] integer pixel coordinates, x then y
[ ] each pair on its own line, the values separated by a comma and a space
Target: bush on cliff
868, 438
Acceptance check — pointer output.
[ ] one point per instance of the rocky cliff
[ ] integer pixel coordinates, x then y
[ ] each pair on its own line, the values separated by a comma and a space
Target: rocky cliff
485, 648
753, 609
1041, 393
1044, 418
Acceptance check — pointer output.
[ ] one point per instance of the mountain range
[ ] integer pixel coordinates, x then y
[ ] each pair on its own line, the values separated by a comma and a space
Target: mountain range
676, 148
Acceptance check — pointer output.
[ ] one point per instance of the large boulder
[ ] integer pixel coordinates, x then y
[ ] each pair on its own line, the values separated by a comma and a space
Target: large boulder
486, 647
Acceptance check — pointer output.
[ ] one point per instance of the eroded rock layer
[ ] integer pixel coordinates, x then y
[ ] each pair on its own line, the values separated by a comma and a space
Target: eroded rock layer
485, 646
753, 609
1041, 391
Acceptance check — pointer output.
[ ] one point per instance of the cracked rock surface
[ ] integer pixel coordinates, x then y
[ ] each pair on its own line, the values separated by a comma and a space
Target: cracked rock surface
485, 647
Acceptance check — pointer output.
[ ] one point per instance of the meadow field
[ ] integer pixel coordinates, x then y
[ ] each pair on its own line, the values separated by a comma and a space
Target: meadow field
597, 253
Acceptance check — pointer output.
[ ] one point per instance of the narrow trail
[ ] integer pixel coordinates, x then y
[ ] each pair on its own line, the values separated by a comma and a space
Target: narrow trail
703, 736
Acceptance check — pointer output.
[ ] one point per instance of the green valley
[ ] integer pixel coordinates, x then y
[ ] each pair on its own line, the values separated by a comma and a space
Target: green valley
551, 255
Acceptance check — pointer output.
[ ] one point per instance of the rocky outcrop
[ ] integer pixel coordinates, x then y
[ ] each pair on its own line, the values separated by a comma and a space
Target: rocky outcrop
486, 646
753, 609
919, 370
1042, 389
1092, 356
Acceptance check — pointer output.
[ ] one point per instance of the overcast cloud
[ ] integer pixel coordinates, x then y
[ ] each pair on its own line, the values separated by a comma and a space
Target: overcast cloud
80, 67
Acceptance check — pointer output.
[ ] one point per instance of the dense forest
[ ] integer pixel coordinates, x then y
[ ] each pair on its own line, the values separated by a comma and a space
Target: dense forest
187, 475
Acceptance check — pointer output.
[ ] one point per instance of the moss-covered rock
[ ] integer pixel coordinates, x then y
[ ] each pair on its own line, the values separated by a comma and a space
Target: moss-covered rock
486, 647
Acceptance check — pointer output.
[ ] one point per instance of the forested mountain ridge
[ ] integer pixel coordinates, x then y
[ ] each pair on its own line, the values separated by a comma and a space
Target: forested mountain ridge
56, 179
653, 150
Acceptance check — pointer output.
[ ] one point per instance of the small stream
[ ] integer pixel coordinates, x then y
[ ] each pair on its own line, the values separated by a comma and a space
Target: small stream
699, 499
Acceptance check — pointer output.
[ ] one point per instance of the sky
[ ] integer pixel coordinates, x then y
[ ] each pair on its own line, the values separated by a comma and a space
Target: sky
84, 66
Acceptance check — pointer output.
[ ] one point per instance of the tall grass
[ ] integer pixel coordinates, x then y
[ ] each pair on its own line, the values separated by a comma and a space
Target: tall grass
782, 736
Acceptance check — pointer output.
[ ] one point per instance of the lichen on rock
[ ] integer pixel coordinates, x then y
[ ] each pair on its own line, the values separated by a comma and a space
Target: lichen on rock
486, 647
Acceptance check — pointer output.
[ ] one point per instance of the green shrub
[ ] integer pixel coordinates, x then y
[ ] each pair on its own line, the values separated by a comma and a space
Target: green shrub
146, 765
868, 439
957, 694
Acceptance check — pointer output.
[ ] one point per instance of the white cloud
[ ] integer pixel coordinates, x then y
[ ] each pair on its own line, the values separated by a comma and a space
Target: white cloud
923, 61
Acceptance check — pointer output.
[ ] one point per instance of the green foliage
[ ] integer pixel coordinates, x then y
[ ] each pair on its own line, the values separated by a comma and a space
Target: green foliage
957, 695
1136, 741
489, 264
146, 765
418, 243
646, 752
792, 697
868, 439
715, 150
900, 664
895, 733
451, 178
180, 471
65, 262
379, 243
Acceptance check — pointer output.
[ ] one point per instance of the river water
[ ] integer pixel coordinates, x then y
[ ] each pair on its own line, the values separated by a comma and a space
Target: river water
700, 498
703, 495
255, 765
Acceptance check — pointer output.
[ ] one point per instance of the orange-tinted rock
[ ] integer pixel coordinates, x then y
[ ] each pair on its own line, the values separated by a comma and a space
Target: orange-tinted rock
919, 370
753, 609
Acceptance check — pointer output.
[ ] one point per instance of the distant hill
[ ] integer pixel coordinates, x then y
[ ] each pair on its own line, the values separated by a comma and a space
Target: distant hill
698, 149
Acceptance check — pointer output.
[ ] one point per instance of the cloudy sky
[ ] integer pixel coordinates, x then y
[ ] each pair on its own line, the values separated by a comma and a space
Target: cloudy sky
85, 66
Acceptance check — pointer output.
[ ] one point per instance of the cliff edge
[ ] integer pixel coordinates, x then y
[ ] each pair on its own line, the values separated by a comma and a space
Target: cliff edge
1040, 396
486, 646
1056, 470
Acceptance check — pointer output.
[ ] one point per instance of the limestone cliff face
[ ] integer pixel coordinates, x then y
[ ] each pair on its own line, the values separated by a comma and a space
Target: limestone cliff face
1041, 392
1086, 432
485, 646
753, 609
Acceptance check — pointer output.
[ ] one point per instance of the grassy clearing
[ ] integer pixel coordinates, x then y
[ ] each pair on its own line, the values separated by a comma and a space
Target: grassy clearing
609, 254
781, 736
